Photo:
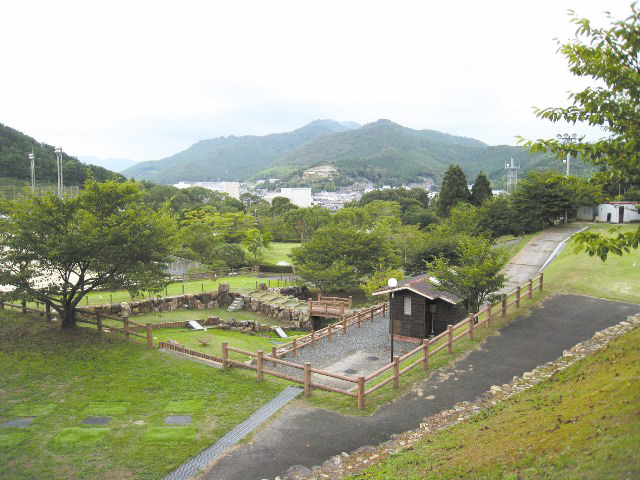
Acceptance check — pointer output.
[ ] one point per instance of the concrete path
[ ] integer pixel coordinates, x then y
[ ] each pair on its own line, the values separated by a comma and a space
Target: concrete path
306, 436
528, 261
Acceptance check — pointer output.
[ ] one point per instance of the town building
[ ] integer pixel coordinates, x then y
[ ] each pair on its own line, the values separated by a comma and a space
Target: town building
231, 188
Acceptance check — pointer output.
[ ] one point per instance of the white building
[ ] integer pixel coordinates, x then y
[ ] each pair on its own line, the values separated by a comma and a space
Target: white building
613, 212
300, 197
232, 188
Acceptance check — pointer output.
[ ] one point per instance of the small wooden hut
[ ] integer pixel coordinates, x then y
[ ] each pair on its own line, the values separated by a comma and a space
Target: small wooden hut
420, 310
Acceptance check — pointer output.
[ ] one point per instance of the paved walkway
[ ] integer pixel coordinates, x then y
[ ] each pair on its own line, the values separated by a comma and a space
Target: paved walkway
528, 261
306, 436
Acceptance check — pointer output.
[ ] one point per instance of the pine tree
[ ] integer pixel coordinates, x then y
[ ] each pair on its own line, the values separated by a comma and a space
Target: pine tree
481, 190
454, 189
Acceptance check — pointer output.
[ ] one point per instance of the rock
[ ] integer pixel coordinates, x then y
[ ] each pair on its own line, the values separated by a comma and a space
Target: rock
333, 462
296, 472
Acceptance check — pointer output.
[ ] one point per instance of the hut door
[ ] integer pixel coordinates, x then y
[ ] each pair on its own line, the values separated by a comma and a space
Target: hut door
620, 214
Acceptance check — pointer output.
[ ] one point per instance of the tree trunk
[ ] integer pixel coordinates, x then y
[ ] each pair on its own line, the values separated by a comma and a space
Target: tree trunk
68, 317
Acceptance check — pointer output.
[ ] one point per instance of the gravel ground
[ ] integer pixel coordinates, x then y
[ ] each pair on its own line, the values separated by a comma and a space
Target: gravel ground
372, 338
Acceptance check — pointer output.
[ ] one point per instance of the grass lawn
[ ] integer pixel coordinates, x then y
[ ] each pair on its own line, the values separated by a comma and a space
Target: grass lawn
186, 315
61, 377
616, 279
581, 423
278, 252
252, 343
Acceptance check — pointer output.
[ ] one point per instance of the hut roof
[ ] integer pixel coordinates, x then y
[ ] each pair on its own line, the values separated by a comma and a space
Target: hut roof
425, 286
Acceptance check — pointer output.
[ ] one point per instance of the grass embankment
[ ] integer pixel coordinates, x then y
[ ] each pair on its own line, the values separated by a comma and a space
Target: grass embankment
277, 252
581, 423
616, 279
61, 377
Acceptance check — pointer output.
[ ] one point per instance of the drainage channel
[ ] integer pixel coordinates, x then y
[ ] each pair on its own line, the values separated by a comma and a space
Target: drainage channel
191, 467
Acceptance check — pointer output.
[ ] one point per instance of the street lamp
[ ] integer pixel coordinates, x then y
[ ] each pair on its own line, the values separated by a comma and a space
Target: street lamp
393, 283
432, 310
568, 140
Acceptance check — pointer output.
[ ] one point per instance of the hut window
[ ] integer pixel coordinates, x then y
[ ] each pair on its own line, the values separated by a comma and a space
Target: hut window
407, 305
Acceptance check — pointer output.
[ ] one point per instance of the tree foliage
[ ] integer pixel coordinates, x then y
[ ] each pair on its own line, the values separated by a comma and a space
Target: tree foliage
481, 190
453, 190
338, 257
476, 273
58, 250
611, 57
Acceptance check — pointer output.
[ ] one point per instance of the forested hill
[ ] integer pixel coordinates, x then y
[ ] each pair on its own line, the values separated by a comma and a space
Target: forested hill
383, 152
232, 158
15, 165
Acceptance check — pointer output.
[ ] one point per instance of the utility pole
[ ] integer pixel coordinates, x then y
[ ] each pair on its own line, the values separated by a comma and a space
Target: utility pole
568, 140
32, 158
60, 178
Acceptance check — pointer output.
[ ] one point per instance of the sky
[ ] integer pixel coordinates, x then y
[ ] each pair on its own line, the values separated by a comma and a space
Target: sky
147, 79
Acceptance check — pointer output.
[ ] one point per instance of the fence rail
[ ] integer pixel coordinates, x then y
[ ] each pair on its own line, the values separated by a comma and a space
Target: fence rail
419, 356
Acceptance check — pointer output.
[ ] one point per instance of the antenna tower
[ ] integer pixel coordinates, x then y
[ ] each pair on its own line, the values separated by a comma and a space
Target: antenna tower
32, 158
512, 174
60, 179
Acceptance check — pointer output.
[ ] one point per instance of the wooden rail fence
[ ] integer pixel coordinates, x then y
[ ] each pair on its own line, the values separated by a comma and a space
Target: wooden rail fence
419, 356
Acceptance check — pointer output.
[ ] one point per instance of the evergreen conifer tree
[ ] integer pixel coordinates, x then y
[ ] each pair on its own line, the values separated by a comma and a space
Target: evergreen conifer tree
481, 189
454, 189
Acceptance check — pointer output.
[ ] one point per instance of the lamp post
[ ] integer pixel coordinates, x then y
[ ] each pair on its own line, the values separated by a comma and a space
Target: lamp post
432, 310
392, 282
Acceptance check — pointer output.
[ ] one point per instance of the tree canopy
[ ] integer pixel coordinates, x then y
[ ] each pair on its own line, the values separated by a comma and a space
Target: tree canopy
453, 190
610, 57
58, 250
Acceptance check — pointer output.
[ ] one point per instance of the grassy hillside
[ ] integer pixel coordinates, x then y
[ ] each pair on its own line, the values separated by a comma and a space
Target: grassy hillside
14, 163
581, 423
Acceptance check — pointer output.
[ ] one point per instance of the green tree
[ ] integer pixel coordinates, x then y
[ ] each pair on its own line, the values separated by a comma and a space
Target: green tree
481, 190
255, 242
476, 274
496, 217
337, 257
280, 206
453, 190
610, 57
305, 221
379, 279
58, 250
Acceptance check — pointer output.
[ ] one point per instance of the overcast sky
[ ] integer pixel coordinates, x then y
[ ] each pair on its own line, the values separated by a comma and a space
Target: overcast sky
147, 79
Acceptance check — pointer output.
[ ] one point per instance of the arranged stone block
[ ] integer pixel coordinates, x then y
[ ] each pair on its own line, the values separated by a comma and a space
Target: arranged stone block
19, 422
96, 420
177, 420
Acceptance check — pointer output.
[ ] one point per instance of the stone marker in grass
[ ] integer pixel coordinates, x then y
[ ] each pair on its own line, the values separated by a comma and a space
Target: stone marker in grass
178, 420
96, 420
19, 422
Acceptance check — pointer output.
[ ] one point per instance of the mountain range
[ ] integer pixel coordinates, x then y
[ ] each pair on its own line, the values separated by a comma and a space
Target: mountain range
383, 152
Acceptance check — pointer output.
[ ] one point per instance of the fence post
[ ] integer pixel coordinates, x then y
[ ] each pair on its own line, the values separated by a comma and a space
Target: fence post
98, 323
371, 315
344, 324
24, 306
360, 393
295, 347
350, 302
384, 309
396, 371
307, 379
274, 354
488, 324
359, 320
342, 309
530, 293
126, 326
259, 364
518, 296
225, 357
310, 304
471, 319
450, 338
541, 280
47, 309
425, 354
149, 336
504, 305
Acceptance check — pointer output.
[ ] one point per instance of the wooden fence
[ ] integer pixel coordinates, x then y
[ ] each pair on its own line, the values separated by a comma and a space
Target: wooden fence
342, 326
419, 356
128, 328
